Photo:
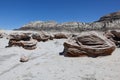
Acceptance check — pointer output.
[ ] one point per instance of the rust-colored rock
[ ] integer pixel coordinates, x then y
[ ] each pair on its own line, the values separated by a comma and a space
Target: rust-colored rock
90, 44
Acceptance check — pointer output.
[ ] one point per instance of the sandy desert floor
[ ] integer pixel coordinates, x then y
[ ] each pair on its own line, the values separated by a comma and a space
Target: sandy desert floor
46, 64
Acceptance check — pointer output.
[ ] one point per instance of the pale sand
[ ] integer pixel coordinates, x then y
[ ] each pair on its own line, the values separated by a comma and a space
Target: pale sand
46, 64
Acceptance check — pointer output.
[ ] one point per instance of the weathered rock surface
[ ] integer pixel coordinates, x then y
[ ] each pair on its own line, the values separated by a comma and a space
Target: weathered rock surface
114, 36
20, 36
90, 44
60, 36
42, 37
22, 39
110, 17
52, 26
30, 45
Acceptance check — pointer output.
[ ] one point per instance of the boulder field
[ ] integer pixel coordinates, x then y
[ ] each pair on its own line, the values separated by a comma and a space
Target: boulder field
91, 44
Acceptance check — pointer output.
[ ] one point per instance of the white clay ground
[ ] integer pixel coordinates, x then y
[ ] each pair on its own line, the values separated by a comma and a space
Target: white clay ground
46, 64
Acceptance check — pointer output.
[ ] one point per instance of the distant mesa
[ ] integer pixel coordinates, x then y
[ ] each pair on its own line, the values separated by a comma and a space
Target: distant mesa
107, 22
110, 17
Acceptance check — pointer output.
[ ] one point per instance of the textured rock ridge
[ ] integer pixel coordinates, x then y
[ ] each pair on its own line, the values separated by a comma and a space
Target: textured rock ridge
88, 44
110, 21
110, 17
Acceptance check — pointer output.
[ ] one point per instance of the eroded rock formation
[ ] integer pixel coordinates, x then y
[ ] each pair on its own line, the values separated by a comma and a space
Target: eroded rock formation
110, 17
114, 36
60, 36
22, 39
88, 44
106, 22
42, 37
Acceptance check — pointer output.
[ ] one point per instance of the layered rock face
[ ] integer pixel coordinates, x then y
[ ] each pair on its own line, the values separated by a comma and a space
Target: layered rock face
110, 17
52, 26
23, 40
110, 21
88, 44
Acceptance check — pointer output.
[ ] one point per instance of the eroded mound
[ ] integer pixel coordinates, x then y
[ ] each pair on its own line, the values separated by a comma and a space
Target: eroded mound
114, 36
90, 44
23, 40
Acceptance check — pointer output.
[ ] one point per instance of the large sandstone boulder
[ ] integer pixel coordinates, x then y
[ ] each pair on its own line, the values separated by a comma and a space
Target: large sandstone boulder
114, 36
22, 40
90, 44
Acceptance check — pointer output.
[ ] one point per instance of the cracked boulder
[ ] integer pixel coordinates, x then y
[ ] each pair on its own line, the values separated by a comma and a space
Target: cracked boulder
88, 44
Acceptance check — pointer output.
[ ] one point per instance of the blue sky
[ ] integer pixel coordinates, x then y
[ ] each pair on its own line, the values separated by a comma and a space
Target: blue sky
16, 13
